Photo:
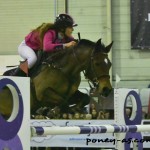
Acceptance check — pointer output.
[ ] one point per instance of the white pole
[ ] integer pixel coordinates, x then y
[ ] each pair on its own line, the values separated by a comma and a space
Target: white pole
57, 130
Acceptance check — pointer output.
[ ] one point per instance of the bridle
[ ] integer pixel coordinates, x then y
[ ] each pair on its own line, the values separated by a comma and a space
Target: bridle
96, 77
94, 80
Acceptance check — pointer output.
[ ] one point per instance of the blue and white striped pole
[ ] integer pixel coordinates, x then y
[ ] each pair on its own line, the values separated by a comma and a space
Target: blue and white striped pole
58, 130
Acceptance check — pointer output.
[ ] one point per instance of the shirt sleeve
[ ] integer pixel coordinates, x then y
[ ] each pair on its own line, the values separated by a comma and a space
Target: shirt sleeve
48, 44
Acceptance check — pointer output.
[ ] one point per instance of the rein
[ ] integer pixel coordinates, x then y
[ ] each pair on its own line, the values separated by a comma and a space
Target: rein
51, 64
84, 72
75, 56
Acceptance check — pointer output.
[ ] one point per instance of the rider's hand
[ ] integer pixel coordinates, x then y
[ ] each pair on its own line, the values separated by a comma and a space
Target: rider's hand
70, 44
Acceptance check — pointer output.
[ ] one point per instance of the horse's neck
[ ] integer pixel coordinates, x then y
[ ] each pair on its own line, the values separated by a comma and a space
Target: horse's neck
69, 64
83, 55
77, 60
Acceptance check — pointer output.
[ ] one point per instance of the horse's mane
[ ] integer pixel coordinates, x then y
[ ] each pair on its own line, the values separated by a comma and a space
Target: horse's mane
86, 42
58, 55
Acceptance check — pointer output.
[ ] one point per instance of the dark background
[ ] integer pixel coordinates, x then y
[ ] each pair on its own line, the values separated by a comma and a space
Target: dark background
140, 26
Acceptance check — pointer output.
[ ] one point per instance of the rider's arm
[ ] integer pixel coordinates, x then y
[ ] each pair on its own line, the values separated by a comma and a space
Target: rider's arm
48, 40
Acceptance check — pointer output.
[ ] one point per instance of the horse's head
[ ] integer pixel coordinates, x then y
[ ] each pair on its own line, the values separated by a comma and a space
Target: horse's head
98, 68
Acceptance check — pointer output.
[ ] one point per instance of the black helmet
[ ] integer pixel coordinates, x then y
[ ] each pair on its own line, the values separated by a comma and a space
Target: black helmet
63, 21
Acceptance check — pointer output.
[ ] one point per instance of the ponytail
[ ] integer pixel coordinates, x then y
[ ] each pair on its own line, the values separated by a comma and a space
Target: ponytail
42, 29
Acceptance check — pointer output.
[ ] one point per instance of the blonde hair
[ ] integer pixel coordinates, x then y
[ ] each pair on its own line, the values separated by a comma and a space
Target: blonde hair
42, 29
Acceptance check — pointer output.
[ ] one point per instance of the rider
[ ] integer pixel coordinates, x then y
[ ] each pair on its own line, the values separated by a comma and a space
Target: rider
49, 37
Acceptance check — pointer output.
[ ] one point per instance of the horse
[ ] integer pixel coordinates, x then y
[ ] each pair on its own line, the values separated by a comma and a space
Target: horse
58, 78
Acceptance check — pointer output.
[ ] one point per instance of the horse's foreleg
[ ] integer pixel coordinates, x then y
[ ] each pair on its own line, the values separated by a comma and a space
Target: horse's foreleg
50, 96
80, 99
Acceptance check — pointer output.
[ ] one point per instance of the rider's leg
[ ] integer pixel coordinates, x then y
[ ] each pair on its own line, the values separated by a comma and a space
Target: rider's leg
27, 53
18, 72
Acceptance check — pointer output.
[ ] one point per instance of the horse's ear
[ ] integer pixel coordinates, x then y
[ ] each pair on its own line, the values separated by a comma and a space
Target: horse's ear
98, 46
108, 47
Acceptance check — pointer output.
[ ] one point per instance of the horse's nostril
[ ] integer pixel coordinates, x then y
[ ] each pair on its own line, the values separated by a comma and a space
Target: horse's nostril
106, 91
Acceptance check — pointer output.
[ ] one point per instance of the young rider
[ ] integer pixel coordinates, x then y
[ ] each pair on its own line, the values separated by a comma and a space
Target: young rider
48, 37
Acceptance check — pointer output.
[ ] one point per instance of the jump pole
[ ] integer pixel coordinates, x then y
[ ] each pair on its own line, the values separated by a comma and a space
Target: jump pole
58, 130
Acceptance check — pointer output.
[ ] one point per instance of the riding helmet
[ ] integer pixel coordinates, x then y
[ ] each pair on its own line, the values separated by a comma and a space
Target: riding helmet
63, 21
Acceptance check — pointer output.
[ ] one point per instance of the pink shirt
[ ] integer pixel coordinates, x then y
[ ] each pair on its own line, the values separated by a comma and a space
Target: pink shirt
51, 41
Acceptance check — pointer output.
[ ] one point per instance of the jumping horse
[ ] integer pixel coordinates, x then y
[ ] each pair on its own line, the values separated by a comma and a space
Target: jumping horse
58, 78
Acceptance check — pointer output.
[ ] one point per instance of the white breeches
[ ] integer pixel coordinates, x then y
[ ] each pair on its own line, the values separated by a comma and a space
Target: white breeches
27, 53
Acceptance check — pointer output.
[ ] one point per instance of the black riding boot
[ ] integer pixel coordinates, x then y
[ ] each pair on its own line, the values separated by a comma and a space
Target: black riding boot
19, 72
